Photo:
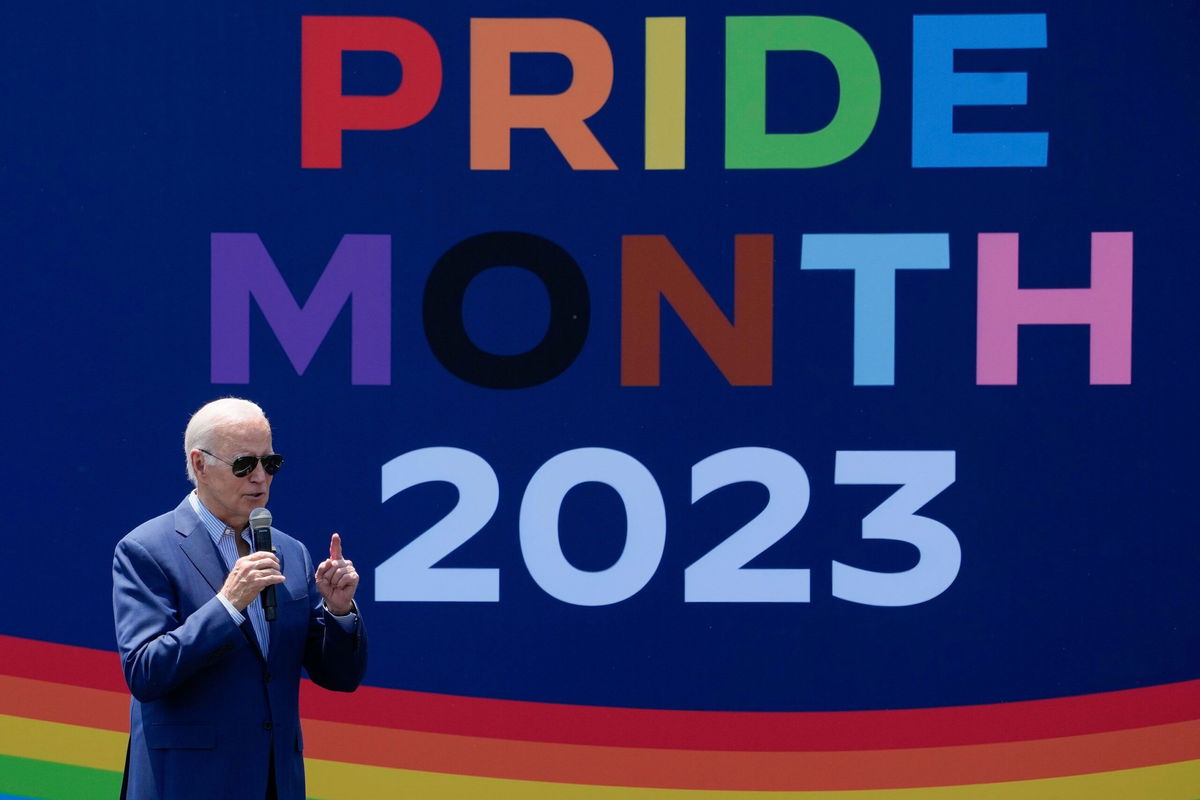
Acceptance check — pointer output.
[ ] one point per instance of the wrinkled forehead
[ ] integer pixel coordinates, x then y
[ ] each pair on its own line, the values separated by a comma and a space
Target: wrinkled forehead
244, 436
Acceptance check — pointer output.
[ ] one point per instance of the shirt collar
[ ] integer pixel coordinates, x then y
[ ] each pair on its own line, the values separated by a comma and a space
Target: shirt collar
216, 529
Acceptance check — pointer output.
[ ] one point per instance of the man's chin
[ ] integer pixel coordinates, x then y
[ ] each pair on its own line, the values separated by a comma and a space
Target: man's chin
253, 502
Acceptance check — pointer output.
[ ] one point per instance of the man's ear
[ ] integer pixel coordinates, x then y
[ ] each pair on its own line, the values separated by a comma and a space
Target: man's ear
198, 462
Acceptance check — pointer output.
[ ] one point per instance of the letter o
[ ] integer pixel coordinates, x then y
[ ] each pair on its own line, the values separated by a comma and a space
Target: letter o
570, 310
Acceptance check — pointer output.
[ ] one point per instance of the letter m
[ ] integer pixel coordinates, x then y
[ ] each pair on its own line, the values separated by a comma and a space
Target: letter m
359, 268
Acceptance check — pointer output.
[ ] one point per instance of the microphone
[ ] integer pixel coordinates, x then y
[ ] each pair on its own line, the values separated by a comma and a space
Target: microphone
260, 527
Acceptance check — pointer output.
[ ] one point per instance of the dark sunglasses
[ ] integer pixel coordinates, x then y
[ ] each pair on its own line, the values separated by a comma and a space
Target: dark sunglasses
244, 465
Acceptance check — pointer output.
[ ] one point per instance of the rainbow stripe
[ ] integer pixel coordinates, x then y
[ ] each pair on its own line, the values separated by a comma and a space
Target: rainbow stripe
64, 719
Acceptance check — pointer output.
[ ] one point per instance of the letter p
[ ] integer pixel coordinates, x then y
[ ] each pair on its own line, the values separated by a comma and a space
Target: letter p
325, 111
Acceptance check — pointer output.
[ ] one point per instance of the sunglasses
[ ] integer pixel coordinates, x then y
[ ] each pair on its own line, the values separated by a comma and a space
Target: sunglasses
244, 465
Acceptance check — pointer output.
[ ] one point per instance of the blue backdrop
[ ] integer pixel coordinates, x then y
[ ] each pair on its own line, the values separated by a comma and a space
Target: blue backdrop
134, 132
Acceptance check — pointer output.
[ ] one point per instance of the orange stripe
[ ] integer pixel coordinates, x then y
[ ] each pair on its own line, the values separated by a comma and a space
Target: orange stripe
59, 702
749, 771
335, 780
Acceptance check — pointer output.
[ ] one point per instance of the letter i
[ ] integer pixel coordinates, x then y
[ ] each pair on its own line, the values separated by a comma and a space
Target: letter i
666, 91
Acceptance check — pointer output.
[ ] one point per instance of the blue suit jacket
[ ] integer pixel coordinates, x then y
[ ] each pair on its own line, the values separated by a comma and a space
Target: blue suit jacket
207, 710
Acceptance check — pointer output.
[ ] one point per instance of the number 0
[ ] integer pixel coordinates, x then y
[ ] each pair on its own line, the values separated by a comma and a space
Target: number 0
645, 535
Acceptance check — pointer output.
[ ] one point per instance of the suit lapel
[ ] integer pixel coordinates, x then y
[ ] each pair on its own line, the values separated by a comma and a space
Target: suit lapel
198, 547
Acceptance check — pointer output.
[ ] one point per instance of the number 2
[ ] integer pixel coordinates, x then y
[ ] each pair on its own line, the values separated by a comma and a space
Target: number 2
720, 576
410, 574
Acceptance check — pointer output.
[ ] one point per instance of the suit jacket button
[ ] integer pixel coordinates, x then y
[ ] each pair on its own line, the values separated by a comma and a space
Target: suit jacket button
267, 726
268, 677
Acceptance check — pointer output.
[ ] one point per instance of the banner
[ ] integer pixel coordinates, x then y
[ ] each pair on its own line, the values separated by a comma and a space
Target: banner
715, 399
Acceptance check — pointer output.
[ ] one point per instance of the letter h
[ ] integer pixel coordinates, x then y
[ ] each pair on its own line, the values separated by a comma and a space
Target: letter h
1106, 308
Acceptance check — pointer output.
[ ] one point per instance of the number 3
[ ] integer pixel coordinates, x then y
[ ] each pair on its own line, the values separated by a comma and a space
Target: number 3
922, 475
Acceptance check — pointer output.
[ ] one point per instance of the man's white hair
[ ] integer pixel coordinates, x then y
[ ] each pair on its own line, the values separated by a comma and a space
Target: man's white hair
202, 428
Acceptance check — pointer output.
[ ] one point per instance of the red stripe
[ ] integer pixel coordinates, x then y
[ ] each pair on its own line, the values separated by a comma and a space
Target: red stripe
61, 663
759, 731
682, 730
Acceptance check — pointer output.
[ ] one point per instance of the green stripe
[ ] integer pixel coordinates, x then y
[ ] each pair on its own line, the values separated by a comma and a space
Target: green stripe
47, 780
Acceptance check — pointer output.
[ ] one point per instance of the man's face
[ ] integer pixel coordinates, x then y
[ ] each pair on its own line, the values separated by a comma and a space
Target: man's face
228, 497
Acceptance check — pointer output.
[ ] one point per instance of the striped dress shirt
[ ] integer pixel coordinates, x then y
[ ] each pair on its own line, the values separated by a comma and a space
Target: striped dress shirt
222, 536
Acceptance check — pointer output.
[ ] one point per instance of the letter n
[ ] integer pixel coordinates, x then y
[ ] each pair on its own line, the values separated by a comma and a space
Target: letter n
359, 268
651, 269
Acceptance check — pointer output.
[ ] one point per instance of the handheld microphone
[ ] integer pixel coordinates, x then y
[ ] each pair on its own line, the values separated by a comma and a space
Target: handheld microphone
260, 527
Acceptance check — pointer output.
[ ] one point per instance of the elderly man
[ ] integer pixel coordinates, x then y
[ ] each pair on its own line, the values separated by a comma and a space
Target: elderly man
215, 684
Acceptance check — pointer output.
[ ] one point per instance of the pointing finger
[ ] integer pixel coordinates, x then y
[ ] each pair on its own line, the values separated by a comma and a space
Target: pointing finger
335, 547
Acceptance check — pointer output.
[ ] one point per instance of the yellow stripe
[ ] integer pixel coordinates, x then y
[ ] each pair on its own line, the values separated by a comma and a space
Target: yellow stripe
666, 91
65, 744
338, 780
335, 780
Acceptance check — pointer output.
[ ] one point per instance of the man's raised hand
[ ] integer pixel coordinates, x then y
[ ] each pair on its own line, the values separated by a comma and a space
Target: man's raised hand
336, 579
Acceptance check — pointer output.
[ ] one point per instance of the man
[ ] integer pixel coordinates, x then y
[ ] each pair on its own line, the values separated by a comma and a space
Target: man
215, 685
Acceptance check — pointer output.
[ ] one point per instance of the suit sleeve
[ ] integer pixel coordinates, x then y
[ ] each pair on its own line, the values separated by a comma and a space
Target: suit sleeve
158, 650
334, 657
